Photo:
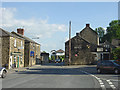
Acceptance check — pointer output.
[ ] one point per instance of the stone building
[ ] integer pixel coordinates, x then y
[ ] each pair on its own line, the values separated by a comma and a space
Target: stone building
12, 50
116, 42
31, 51
37, 53
0, 48
82, 46
90, 35
45, 57
104, 51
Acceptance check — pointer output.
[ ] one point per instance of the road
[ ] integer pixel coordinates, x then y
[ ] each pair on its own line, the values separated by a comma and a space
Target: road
57, 76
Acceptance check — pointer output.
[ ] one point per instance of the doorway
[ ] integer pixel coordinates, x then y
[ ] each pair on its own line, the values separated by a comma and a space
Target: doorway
18, 62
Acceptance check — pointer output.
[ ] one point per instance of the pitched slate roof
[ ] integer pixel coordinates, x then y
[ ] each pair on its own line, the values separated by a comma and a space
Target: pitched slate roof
82, 31
26, 38
90, 29
79, 37
6, 33
106, 43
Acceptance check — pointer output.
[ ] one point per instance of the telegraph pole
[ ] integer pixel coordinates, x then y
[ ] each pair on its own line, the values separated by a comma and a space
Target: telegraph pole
69, 42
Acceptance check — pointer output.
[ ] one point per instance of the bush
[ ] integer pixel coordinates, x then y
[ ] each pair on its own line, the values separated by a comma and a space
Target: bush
116, 53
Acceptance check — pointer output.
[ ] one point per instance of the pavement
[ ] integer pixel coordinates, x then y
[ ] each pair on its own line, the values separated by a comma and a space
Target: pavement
21, 69
59, 76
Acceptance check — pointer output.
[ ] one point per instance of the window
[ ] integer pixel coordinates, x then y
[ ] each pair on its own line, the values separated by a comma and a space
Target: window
15, 43
21, 43
21, 60
14, 59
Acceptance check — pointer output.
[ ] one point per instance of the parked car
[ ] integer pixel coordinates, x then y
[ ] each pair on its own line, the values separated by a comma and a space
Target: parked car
57, 61
3, 72
108, 66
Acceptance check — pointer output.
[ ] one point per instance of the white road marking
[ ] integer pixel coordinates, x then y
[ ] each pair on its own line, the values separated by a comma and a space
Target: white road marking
98, 79
101, 82
111, 84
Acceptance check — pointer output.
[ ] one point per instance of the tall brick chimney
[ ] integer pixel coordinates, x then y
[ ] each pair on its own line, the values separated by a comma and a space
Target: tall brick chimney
87, 25
20, 31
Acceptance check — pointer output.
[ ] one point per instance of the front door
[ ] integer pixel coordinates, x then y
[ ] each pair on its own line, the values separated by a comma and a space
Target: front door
18, 62
10, 62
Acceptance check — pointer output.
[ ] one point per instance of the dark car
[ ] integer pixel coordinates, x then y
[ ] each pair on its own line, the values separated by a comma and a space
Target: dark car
108, 66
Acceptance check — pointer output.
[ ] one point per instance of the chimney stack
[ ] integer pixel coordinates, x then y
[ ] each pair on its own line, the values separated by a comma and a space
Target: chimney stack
77, 34
87, 25
20, 31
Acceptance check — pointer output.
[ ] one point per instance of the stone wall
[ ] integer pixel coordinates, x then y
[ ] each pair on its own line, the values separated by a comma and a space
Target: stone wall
116, 42
26, 53
5, 51
17, 59
89, 35
32, 59
0, 50
37, 53
80, 51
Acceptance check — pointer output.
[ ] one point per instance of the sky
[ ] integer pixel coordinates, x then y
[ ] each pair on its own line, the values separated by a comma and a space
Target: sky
49, 20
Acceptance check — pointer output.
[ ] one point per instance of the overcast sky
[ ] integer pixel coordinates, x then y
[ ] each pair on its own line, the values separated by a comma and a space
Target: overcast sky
49, 21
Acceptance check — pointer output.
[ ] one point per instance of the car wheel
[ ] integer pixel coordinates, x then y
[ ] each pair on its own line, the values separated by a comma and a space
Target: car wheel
116, 71
98, 70
4, 74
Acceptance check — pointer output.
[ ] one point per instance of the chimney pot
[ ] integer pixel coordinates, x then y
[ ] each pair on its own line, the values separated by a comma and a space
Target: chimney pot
20, 31
77, 34
87, 25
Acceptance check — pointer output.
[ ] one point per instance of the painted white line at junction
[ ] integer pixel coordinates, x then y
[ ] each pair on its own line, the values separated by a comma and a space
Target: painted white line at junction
98, 79
101, 82
111, 84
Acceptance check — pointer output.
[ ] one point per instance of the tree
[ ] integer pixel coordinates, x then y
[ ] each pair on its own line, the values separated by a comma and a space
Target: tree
44, 52
116, 53
113, 31
101, 32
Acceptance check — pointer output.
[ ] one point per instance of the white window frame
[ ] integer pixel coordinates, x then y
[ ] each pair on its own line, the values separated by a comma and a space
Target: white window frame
14, 58
21, 60
15, 43
21, 43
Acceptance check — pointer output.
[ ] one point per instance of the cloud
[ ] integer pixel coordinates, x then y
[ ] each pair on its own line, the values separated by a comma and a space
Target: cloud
36, 27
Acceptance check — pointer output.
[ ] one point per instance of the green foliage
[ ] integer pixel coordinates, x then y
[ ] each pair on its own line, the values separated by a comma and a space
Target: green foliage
49, 58
113, 31
52, 57
101, 32
62, 57
44, 52
116, 53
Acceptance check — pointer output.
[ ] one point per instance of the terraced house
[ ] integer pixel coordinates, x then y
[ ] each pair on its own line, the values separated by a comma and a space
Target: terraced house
31, 51
12, 50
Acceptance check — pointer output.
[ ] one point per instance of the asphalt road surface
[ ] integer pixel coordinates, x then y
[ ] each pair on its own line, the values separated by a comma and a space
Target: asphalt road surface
57, 76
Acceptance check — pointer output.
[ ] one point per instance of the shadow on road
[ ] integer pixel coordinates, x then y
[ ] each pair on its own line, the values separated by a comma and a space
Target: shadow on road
54, 64
63, 71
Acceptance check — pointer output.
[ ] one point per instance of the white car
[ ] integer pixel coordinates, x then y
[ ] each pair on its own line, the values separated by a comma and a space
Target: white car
3, 72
